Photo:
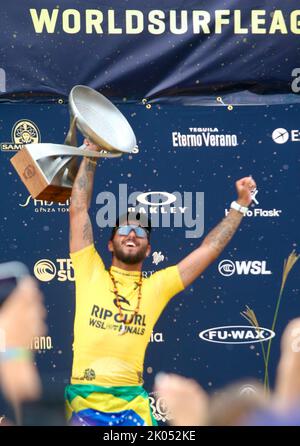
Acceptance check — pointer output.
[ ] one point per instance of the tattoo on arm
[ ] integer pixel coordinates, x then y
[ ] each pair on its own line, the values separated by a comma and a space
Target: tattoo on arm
90, 165
221, 235
83, 185
82, 182
88, 231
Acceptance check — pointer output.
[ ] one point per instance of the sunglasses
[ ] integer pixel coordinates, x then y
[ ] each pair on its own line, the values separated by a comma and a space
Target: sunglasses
139, 231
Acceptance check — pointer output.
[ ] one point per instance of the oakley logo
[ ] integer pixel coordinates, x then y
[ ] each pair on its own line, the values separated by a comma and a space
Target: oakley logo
236, 334
169, 198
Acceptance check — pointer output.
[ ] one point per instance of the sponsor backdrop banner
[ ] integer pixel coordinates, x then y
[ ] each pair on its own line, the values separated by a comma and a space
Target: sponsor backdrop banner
191, 157
143, 48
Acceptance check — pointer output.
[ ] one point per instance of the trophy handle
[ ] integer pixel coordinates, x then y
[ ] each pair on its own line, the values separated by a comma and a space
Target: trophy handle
71, 138
56, 168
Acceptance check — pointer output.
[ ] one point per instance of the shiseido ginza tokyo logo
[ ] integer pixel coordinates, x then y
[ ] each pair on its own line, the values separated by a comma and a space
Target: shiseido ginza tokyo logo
236, 334
165, 209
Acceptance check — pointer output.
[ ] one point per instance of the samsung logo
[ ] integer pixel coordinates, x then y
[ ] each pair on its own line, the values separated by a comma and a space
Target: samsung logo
236, 334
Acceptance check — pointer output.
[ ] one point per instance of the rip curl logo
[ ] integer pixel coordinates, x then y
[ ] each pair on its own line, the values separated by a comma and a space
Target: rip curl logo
105, 319
122, 300
23, 132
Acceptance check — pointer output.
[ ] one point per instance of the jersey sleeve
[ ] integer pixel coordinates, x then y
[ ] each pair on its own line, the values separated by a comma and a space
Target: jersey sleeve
167, 283
85, 263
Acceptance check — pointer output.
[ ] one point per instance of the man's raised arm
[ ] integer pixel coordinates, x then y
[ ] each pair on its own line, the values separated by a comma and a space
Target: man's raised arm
216, 240
81, 232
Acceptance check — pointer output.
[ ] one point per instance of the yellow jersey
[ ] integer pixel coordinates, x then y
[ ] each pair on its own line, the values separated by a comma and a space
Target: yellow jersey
101, 354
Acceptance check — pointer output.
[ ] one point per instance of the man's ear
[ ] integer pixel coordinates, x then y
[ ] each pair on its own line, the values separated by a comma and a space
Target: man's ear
110, 246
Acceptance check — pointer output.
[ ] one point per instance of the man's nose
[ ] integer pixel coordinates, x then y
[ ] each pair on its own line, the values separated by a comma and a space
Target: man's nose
132, 233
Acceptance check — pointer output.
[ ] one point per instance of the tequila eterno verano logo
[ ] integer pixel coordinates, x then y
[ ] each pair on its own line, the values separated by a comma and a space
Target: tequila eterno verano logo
23, 132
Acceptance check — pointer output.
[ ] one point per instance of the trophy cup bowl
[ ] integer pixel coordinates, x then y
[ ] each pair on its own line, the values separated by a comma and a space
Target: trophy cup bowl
48, 170
100, 121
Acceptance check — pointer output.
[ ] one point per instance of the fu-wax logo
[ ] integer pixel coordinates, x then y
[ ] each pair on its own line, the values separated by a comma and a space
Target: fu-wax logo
165, 209
23, 132
45, 270
236, 334
255, 267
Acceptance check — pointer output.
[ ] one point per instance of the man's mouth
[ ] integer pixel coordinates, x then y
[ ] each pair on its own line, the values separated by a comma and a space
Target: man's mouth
130, 244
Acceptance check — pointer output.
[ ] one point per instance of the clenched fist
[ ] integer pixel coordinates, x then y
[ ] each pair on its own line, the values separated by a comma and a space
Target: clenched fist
245, 186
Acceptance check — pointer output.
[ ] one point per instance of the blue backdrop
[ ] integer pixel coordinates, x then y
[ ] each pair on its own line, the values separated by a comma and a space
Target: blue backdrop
262, 141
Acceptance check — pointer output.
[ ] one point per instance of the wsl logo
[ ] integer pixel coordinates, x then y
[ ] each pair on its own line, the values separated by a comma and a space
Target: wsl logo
23, 132
236, 334
255, 267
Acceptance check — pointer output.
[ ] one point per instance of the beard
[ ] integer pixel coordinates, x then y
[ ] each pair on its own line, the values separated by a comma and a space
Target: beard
130, 258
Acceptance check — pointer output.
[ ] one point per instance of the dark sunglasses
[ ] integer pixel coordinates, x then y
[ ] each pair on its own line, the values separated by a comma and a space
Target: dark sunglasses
139, 231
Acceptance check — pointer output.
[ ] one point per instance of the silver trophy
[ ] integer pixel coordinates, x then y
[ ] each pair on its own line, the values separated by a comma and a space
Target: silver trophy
48, 170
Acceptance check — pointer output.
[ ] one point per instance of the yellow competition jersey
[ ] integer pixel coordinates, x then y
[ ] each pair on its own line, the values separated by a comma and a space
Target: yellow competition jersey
101, 356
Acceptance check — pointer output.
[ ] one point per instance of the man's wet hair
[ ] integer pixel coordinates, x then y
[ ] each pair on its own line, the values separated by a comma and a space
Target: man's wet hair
140, 219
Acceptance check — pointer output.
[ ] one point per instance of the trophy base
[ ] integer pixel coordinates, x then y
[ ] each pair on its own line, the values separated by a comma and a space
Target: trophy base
36, 181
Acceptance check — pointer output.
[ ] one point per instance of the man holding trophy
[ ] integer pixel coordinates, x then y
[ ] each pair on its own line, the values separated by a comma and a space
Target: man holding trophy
116, 309
110, 341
